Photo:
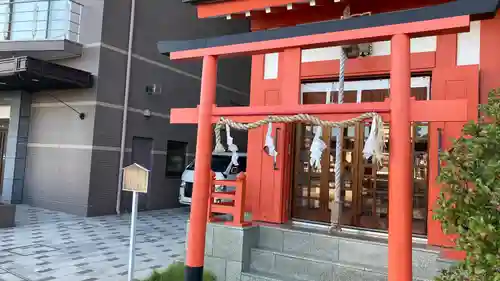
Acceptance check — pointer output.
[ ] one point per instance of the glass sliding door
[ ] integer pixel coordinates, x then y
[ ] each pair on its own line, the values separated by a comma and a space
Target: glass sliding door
365, 184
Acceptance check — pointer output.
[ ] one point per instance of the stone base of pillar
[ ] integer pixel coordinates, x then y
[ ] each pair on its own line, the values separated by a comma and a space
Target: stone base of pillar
227, 250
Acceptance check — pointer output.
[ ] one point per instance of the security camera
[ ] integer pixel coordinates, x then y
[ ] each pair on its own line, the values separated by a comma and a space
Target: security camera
153, 89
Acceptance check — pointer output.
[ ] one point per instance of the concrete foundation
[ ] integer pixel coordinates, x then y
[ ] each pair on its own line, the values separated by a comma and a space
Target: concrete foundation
228, 249
280, 253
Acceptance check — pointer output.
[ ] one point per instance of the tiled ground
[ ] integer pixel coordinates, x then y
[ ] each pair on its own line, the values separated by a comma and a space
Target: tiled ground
48, 245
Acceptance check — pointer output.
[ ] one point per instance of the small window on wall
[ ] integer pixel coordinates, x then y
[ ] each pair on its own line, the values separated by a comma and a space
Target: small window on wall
176, 158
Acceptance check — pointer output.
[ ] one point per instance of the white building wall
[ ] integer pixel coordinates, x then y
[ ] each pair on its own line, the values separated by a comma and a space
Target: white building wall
271, 66
383, 48
468, 50
469, 44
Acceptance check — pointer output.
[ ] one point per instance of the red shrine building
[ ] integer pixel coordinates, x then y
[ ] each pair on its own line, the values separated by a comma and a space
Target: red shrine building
423, 65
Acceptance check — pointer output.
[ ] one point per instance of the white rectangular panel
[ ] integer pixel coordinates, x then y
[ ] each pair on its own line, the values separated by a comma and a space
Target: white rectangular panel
271, 62
468, 45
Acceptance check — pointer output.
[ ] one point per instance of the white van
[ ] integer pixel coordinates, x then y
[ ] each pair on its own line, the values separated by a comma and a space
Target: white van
223, 168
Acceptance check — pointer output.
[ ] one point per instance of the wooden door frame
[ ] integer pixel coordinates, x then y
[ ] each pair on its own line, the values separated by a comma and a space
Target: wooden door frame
422, 81
296, 166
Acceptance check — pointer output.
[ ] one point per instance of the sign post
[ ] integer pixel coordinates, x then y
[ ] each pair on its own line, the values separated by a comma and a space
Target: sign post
135, 180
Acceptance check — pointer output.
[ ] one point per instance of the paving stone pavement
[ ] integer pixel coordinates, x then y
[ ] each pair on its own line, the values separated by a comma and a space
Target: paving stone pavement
54, 246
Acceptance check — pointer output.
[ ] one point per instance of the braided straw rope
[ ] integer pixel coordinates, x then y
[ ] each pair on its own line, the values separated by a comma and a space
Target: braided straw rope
336, 205
299, 118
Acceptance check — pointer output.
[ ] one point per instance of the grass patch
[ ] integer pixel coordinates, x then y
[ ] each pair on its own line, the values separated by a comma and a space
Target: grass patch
175, 272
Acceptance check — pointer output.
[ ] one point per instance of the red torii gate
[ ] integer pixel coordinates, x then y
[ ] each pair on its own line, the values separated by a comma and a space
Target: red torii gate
399, 110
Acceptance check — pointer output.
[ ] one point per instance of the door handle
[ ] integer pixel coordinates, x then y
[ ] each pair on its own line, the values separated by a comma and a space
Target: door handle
440, 149
276, 135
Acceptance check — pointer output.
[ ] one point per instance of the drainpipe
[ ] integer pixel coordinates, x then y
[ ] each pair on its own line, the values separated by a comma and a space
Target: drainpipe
125, 107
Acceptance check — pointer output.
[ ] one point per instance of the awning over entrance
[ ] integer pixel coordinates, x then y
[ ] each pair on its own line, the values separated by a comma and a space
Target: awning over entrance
32, 75
474, 9
41, 49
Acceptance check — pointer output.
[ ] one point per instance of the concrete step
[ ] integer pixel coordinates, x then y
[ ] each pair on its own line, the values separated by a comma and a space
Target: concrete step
341, 248
285, 267
263, 276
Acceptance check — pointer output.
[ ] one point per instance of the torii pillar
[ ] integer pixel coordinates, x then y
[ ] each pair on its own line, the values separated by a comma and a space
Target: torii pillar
400, 187
199, 204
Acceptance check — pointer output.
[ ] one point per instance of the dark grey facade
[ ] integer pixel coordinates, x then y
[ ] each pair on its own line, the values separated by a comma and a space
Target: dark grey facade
72, 165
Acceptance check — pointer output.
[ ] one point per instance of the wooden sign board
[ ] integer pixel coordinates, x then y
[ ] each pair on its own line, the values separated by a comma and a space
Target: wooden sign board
135, 178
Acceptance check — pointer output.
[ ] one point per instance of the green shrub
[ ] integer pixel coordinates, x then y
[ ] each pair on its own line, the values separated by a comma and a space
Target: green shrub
469, 204
175, 272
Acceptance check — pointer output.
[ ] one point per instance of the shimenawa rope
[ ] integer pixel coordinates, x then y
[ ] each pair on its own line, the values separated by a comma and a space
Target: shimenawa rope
308, 119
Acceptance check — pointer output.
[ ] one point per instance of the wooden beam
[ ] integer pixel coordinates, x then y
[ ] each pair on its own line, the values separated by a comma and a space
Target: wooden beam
177, 119
372, 65
381, 107
379, 33
240, 6
280, 17
421, 111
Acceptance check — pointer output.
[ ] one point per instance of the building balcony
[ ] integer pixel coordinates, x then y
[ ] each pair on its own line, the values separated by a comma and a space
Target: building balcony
43, 29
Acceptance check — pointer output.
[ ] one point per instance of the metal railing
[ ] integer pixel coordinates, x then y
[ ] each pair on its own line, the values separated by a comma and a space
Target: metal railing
22, 20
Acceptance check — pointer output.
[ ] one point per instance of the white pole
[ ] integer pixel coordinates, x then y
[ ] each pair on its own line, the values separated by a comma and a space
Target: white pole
133, 220
125, 108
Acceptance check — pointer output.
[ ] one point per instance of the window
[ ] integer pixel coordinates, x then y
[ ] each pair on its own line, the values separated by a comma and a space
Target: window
37, 20
219, 163
176, 158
